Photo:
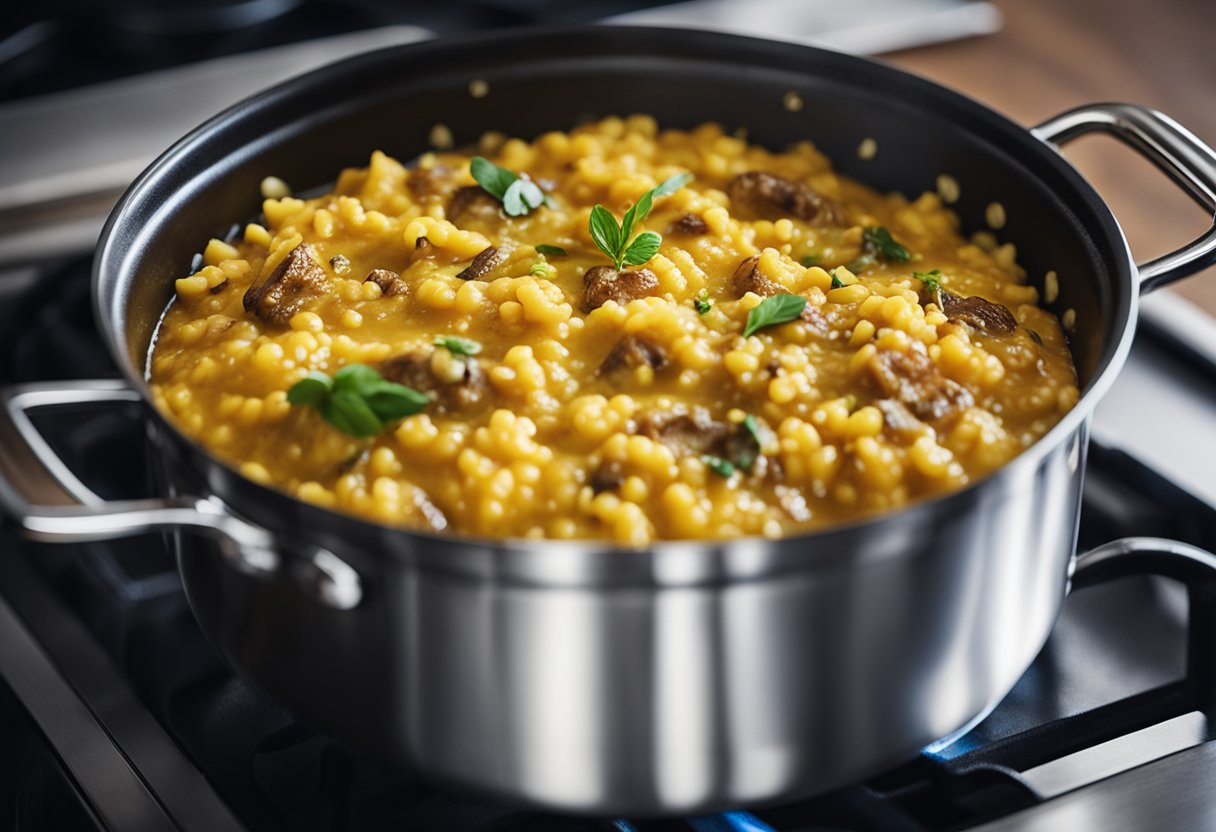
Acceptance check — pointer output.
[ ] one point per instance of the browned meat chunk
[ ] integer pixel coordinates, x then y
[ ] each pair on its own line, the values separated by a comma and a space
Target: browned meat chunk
898, 421
415, 369
389, 281
983, 315
685, 433
748, 279
471, 205
772, 197
604, 283
914, 381
435, 181
632, 352
295, 282
689, 225
484, 263
608, 477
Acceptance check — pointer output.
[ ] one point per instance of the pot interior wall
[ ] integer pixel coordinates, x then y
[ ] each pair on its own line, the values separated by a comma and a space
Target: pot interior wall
309, 129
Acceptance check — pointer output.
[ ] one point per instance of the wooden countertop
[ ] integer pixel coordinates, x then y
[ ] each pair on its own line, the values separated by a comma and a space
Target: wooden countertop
1052, 55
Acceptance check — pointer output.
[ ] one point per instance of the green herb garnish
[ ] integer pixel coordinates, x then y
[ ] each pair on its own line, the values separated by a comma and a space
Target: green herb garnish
778, 309
721, 467
931, 282
879, 241
701, 302
518, 194
543, 268
810, 259
458, 345
552, 251
753, 429
837, 283
613, 239
357, 400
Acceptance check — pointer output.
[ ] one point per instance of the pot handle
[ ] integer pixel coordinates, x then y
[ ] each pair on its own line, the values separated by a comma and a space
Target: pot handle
1171, 147
1191, 566
44, 500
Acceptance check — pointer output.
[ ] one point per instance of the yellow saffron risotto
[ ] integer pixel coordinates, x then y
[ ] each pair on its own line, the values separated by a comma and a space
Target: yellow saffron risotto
625, 403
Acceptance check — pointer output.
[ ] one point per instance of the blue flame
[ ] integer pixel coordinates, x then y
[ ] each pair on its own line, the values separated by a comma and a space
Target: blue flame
730, 822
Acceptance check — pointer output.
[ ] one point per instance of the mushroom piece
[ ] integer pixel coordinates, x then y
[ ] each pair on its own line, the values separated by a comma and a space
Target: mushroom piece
484, 263
768, 196
604, 283
295, 282
631, 352
913, 380
389, 281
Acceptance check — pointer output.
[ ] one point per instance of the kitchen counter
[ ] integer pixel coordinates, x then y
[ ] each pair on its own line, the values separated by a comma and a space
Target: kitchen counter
1051, 56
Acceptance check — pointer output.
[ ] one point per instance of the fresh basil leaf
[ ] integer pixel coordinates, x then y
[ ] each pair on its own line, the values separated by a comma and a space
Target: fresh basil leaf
605, 233
357, 400
701, 302
878, 240
672, 184
778, 309
359, 379
552, 251
636, 214
458, 345
396, 401
311, 389
720, 466
349, 413
491, 177
643, 248
837, 283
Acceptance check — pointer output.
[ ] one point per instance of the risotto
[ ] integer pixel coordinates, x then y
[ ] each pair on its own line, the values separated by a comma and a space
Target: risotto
616, 332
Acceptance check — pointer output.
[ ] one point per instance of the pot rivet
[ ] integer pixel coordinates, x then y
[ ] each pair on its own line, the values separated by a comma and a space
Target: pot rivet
867, 150
793, 102
479, 88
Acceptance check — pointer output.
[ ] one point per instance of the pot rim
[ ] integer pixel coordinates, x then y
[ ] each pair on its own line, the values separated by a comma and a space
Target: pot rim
111, 256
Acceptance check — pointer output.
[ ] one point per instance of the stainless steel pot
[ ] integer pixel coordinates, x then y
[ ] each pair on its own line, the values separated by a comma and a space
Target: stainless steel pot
690, 676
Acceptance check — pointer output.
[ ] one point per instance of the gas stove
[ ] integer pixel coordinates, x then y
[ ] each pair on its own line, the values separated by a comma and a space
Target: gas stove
119, 715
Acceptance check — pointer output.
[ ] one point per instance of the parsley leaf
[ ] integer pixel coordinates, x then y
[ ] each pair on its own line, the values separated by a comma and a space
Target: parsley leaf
778, 309
518, 194
458, 345
878, 240
701, 302
721, 467
811, 259
552, 251
357, 400
837, 283
614, 239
